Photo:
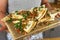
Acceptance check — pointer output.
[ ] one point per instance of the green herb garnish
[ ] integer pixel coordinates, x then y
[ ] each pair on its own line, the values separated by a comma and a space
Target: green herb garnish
26, 14
19, 25
16, 12
39, 8
49, 24
16, 25
43, 6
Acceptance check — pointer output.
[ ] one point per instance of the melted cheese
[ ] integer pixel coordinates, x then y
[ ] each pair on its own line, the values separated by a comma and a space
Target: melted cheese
16, 21
14, 16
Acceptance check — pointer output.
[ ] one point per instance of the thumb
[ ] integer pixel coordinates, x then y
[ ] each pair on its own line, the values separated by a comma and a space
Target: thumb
2, 28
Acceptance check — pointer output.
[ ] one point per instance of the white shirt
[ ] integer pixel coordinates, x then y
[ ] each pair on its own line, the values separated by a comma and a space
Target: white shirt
23, 4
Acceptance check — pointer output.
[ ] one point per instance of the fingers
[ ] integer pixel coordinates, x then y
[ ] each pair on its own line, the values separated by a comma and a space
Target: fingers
58, 15
2, 23
2, 26
7, 30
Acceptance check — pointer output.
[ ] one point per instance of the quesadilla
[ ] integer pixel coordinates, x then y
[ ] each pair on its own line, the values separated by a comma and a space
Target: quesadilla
25, 21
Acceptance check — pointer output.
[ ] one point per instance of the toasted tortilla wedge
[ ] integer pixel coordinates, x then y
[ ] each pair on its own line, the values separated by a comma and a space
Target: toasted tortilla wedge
41, 14
44, 19
5, 19
14, 16
30, 26
48, 18
53, 15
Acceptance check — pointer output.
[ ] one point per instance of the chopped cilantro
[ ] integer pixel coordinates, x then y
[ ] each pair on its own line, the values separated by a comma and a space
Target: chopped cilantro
16, 12
19, 25
16, 25
26, 14
39, 8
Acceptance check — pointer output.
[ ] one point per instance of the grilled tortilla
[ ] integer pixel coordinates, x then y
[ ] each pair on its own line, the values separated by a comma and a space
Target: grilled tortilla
30, 26
26, 20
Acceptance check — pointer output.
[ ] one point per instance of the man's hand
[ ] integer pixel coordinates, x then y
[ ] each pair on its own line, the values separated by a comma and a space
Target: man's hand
3, 7
58, 15
47, 4
57, 12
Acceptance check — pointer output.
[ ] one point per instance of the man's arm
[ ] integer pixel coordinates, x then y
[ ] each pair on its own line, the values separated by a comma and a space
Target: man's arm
3, 6
47, 4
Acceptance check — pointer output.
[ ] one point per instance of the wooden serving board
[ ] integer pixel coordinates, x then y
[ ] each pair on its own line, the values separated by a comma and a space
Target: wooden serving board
39, 28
